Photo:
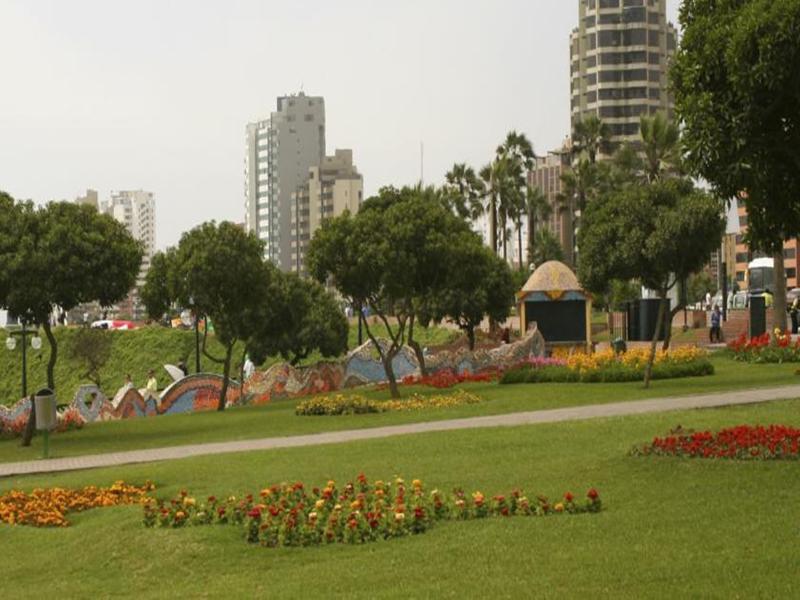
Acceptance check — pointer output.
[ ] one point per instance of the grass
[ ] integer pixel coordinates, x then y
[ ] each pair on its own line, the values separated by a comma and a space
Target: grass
671, 527
278, 418
136, 352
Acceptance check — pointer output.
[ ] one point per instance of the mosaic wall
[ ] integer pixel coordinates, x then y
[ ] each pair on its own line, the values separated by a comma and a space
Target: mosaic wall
363, 367
192, 393
201, 391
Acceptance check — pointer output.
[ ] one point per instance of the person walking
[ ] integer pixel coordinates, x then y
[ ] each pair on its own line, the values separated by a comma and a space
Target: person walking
715, 333
151, 388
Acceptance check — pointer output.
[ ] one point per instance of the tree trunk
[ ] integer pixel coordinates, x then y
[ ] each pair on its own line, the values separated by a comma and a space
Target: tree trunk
30, 426
51, 361
471, 337
226, 370
672, 313
519, 244
493, 222
779, 297
648, 370
394, 391
417, 348
531, 235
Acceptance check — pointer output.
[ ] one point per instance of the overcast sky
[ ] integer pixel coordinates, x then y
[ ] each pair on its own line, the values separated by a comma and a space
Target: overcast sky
155, 94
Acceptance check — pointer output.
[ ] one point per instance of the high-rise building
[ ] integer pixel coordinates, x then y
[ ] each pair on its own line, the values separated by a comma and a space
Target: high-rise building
280, 152
546, 175
136, 210
333, 186
619, 56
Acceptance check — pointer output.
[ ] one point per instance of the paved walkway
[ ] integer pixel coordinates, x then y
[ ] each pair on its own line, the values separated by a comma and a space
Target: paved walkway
333, 437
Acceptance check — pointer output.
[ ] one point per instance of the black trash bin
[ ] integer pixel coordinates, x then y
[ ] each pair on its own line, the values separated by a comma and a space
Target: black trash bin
758, 315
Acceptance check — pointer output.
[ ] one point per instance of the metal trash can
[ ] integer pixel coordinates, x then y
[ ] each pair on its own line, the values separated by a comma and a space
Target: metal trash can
45, 402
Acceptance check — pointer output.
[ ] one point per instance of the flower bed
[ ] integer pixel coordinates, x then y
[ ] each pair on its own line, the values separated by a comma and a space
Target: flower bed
360, 512
349, 404
447, 378
49, 507
745, 442
608, 367
768, 348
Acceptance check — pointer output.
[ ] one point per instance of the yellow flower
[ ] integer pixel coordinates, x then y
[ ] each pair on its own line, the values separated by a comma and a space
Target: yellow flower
187, 501
319, 503
416, 483
559, 507
399, 516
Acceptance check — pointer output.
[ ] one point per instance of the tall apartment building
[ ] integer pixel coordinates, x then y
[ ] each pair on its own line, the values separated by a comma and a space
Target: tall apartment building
280, 152
546, 175
90, 199
619, 55
136, 210
333, 186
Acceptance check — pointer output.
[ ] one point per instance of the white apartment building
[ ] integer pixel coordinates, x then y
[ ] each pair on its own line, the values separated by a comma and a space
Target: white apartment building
136, 209
279, 153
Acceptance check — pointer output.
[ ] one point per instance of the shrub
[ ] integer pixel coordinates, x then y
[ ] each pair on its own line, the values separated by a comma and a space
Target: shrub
342, 404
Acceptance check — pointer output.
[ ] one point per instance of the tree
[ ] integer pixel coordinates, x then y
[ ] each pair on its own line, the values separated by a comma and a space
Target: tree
735, 79
155, 293
310, 319
546, 247
537, 208
660, 145
91, 348
464, 192
590, 137
484, 289
221, 270
60, 256
389, 260
658, 234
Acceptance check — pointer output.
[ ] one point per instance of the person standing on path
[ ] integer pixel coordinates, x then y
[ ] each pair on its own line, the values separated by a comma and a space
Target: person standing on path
715, 332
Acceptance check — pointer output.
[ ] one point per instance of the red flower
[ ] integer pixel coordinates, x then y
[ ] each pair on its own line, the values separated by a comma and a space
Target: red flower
592, 494
255, 513
569, 497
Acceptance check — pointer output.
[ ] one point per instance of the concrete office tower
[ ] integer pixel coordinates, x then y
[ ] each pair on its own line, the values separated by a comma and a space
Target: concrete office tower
280, 151
137, 211
546, 175
619, 54
333, 186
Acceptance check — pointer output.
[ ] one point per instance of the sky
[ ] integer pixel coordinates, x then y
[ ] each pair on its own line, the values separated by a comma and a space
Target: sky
155, 94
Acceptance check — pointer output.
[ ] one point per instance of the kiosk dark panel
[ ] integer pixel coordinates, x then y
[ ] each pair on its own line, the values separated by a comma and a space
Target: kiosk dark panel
559, 321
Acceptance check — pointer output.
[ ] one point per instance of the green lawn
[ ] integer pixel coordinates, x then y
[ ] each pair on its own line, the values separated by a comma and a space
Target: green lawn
670, 528
278, 418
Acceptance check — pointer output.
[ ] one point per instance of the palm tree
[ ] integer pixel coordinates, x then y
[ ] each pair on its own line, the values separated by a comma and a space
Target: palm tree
660, 145
464, 191
591, 137
536, 207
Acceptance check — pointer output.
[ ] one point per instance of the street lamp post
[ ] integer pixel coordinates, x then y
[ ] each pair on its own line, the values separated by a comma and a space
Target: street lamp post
11, 344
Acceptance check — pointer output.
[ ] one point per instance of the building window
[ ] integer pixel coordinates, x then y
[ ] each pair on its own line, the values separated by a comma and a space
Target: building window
743, 221
791, 273
739, 275
741, 257
309, 118
790, 253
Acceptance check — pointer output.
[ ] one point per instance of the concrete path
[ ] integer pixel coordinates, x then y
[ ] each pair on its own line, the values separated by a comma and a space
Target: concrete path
334, 437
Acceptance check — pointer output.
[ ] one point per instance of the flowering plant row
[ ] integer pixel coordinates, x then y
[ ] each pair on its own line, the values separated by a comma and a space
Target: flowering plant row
447, 378
357, 513
67, 420
609, 367
745, 442
347, 404
776, 347
49, 507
